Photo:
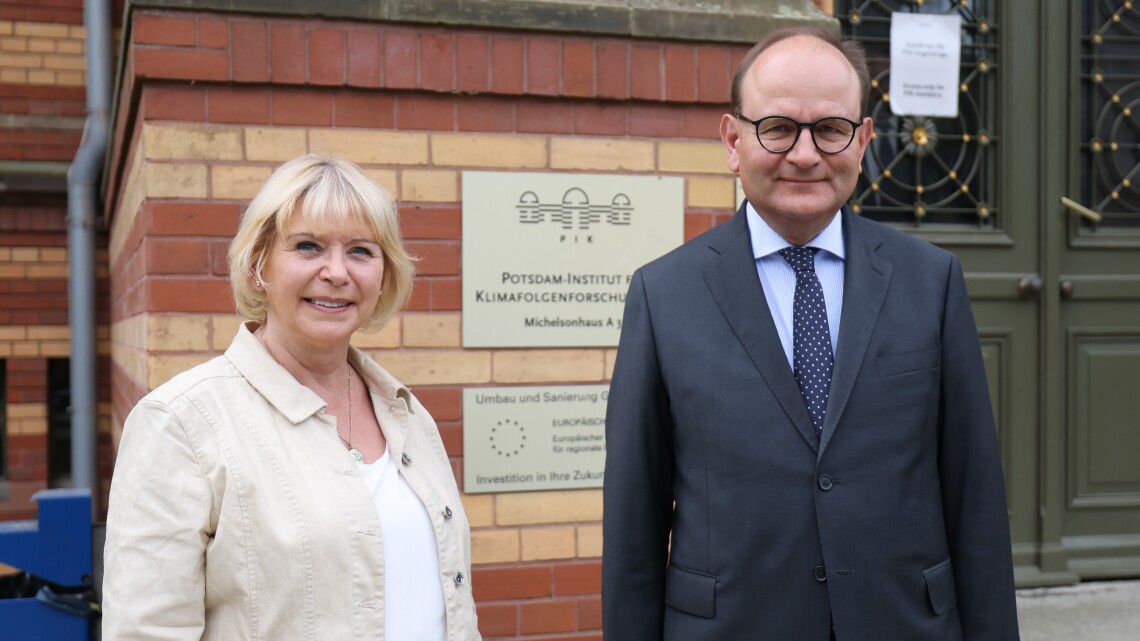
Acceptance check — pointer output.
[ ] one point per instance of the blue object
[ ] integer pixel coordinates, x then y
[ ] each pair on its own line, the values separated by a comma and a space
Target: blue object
56, 548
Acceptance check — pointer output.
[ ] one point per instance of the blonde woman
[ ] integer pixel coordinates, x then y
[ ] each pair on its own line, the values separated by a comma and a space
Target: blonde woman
291, 488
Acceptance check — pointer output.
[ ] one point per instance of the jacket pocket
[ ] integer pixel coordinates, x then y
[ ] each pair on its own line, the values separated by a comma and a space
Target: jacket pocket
912, 361
690, 592
940, 586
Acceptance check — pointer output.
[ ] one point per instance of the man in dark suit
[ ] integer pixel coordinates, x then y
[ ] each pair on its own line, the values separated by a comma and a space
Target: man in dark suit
800, 439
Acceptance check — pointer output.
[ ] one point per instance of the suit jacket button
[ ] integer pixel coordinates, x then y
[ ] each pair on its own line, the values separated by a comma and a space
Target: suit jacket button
405, 459
820, 574
825, 483
447, 513
460, 579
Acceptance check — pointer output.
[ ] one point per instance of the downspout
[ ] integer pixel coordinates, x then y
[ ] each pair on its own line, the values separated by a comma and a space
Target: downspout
82, 206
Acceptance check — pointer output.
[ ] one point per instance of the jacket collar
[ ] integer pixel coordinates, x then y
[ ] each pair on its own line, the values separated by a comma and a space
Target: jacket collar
295, 401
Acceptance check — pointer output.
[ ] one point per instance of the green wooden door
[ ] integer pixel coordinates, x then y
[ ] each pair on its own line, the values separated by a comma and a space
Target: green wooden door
987, 185
1092, 267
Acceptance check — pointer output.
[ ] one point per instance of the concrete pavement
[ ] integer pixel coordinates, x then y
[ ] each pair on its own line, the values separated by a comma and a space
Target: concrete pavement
1094, 611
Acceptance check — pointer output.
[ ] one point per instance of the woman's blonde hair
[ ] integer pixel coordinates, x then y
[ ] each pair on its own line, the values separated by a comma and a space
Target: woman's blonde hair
326, 191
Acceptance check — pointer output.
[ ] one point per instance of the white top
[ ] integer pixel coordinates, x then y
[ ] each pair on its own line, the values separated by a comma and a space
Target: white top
413, 595
779, 279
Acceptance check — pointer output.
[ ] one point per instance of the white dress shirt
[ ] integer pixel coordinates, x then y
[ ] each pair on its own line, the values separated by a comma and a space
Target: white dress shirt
779, 279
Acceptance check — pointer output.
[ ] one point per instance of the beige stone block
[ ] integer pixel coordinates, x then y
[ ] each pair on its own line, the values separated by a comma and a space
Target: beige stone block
185, 142
237, 182
47, 271
133, 363
505, 151
371, 147
432, 330
70, 78
25, 254
64, 63
14, 76
275, 143
13, 332
548, 543
442, 367
177, 333
25, 349
480, 509
5, 254
494, 546
39, 77
55, 349
130, 201
53, 255
589, 540
41, 30
536, 366
387, 338
28, 427
6, 28
386, 178
429, 185
69, 46
27, 410
14, 45
5, 349
600, 154
21, 60
534, 508
611, 359
692, 157
80, 32
13, 271
711, 192
49, 332
223, 328
174, 180
40, 45
162, 368
130, 332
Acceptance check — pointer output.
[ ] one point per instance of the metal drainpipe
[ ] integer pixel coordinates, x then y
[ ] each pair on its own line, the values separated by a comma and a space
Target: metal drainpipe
82, 205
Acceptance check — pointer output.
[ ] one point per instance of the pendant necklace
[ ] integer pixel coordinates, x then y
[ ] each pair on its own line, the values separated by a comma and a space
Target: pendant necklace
357, 455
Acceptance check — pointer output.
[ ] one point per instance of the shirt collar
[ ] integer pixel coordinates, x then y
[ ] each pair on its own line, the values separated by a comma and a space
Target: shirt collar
295, 401
765, 240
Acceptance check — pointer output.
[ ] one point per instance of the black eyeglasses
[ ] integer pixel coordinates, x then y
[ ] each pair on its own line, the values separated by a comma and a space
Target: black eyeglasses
778, 134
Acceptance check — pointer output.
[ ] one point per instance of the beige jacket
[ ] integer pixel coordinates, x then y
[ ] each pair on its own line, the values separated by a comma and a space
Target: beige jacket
235, 512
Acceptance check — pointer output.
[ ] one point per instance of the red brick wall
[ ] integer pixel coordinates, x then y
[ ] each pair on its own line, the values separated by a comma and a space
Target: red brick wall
229, 72
43, 102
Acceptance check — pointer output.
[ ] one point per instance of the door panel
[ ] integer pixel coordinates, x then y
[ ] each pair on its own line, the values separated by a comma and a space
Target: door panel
1036, 186
1098, 281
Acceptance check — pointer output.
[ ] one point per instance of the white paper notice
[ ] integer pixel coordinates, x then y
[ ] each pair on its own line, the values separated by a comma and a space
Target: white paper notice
926, 52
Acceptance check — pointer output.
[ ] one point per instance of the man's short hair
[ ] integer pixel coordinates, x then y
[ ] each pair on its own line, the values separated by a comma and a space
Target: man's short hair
851, 50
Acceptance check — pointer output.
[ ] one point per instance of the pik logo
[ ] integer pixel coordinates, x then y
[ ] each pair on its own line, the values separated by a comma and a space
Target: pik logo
575, 212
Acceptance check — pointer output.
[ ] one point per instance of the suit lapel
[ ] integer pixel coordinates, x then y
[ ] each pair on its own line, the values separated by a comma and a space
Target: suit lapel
865, 281
735, 286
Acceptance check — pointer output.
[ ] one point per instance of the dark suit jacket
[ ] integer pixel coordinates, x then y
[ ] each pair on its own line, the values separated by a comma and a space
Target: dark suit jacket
894, 524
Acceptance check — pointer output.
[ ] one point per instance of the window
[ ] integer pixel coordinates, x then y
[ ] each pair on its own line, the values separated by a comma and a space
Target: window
59, 422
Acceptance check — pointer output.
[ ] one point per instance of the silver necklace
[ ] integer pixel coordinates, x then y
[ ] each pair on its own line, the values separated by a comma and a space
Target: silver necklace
357, 455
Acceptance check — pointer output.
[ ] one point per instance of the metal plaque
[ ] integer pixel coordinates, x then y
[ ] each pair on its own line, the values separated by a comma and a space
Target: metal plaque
547, 257
518, 439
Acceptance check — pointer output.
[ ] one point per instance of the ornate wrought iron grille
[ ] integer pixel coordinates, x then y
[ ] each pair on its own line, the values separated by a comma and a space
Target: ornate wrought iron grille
934, 172
1110, 106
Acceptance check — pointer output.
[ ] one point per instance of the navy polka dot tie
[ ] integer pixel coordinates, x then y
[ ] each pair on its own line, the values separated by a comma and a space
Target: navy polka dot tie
811, 337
